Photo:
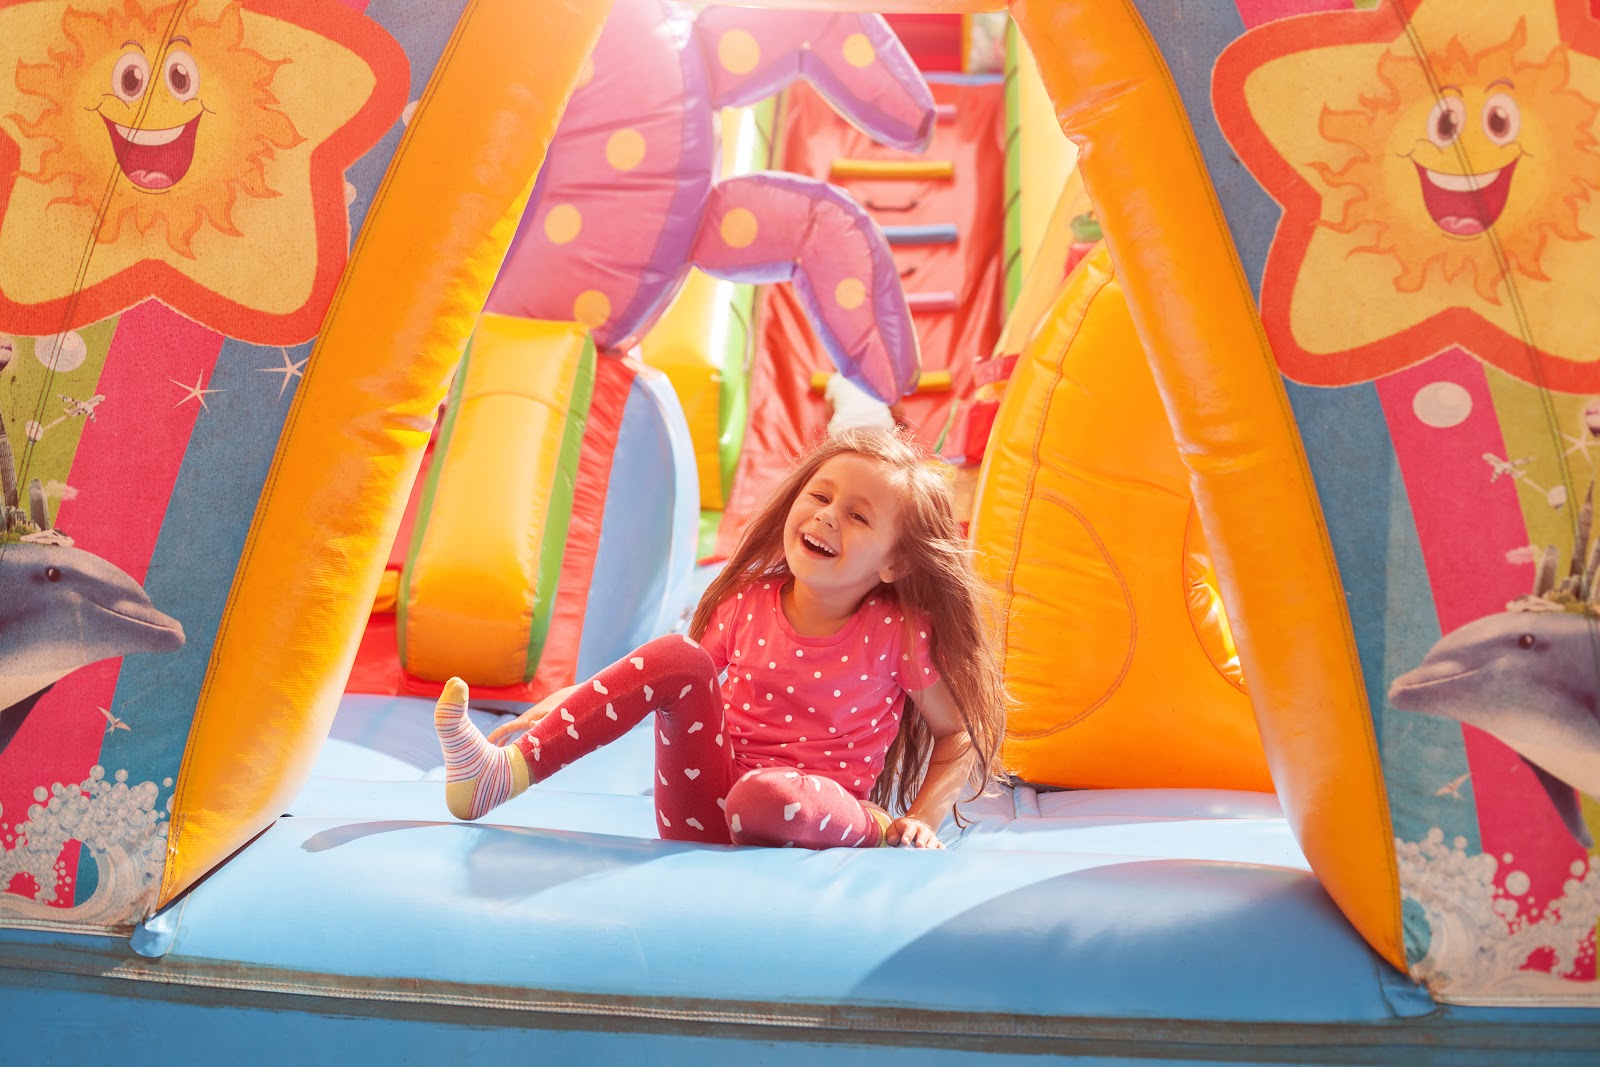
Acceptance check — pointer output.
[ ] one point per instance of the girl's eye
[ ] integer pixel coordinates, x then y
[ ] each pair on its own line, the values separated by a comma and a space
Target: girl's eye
856, 515
820, 498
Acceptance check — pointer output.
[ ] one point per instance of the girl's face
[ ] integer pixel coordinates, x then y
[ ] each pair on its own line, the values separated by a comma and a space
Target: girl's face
841, 530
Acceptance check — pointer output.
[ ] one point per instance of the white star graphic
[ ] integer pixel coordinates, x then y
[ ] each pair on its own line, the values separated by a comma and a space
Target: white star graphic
1581, 443
290, 369
197, 391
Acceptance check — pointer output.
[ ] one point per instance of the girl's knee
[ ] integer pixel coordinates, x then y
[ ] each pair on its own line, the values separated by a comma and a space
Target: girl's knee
763, 804
673, 653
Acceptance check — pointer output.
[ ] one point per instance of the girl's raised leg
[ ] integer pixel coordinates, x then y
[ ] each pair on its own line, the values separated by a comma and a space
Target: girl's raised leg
672, 676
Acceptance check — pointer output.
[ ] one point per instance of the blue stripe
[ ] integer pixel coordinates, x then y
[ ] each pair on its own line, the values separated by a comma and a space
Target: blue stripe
933, 233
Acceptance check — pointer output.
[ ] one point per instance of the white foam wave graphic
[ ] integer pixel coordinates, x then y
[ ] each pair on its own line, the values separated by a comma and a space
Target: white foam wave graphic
1482, 935
118, 826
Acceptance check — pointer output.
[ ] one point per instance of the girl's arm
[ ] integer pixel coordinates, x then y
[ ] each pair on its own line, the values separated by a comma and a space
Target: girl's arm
947, 771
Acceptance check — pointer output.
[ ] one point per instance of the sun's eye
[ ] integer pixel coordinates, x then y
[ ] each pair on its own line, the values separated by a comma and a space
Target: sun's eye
1502, 118
1525, 641
1446, 120
130, 77
182, 75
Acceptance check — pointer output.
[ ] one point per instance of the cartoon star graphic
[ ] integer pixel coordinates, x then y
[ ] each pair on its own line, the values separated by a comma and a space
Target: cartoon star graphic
197, 391
1438, 169
290, 369
193, 152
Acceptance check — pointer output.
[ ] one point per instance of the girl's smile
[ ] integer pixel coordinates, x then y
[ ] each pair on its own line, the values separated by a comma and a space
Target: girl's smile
841, 530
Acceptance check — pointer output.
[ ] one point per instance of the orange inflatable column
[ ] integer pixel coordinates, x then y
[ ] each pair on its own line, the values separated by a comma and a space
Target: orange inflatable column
1195, 313
415, 284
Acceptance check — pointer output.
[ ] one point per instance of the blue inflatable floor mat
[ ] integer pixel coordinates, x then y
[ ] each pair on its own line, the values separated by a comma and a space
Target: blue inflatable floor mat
1090, 925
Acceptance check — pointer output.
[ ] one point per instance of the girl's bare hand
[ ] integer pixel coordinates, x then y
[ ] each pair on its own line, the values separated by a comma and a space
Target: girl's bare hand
908, 832
524, 722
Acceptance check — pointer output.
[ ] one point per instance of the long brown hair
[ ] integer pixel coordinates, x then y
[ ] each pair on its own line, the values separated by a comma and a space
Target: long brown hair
936, 578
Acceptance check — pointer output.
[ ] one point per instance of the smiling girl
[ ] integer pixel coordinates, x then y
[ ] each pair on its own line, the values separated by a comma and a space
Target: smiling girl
859, 675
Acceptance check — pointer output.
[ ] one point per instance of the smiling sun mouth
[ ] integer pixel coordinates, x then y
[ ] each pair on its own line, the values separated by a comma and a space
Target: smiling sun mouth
1464, 205
154, 159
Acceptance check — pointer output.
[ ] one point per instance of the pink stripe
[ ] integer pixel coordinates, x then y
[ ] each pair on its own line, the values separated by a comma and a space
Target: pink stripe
1465, 522
124, 470
128, 459
944, 300
1255, 12
1466, 525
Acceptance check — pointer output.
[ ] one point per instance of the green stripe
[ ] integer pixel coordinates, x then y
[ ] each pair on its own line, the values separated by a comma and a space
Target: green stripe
733, 404
35, 392
710, 521
1013, 201
441, 449
558, 520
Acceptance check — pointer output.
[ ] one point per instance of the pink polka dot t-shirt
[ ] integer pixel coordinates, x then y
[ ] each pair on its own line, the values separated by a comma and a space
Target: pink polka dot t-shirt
826, 705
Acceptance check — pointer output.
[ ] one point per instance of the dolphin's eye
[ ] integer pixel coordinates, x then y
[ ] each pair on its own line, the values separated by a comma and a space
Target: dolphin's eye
52, 574
1525, 641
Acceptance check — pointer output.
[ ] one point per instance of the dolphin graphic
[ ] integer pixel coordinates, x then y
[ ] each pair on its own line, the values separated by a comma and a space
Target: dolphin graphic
1530, 679
63, 608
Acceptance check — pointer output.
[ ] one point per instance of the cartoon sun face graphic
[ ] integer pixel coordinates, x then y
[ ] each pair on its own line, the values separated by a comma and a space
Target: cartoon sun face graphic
192, 151
1438, 166
1434, 157
166, 108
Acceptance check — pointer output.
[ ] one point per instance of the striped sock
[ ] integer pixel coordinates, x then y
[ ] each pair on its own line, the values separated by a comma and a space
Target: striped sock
478, 776
884, 821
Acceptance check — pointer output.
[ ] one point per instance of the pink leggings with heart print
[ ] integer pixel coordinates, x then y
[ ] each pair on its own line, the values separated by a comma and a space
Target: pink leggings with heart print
700, 794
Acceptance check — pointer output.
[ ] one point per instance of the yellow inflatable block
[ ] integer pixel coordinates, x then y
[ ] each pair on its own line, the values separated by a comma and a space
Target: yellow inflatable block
480, 581
1115, 646
388, 594
685, 344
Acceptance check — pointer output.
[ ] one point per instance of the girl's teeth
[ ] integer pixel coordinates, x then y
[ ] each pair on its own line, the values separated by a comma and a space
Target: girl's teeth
818, 545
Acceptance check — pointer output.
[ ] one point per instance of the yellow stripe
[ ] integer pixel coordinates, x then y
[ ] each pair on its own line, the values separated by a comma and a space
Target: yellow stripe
1042, 282
472, 587
1047, 160
892, 169
421, 270
931, 381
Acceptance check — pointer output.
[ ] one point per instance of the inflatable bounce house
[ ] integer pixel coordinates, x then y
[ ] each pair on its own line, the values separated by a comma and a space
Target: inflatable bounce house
346, 345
